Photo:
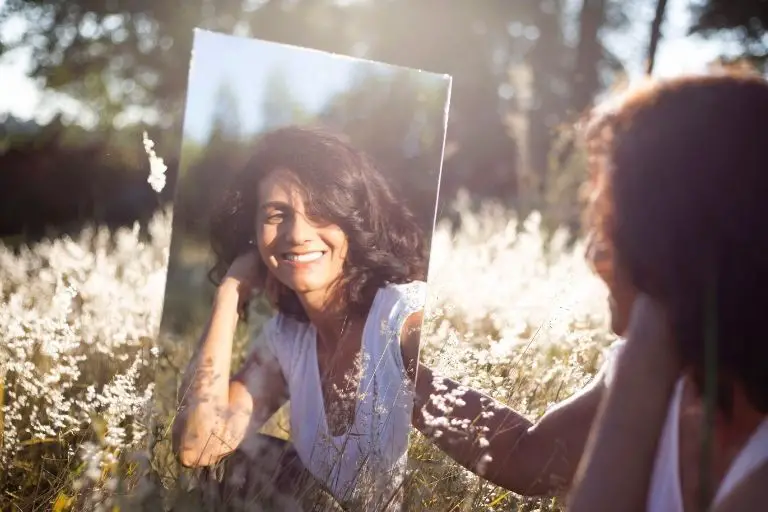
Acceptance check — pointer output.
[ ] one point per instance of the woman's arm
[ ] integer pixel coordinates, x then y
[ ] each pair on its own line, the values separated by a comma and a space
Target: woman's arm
502, 445
615, 473
216, 412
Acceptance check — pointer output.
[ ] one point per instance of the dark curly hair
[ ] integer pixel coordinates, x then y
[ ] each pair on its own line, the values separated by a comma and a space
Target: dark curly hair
386, 245
679, 182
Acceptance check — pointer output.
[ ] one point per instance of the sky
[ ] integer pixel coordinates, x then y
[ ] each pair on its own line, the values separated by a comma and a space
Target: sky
246, 65
677, 54
313, 77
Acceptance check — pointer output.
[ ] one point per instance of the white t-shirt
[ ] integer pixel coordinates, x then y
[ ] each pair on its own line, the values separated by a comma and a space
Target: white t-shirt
664, 493
370, 459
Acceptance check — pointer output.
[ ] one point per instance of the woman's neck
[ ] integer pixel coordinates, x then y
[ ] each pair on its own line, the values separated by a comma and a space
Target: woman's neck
328, 313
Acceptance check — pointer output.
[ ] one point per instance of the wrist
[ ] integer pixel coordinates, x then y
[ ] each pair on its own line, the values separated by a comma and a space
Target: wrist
227, 292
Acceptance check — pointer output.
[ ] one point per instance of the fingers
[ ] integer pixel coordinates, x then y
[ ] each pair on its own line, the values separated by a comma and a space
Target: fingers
648, 318
649, 335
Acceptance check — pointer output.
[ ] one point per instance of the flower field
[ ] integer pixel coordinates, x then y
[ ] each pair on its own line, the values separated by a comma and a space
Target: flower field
511, 312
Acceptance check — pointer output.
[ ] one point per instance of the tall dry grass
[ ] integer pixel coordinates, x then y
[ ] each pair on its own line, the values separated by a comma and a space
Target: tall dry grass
511, 313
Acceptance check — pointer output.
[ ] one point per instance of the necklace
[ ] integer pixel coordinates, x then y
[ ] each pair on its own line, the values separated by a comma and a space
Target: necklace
342, 330
341, 410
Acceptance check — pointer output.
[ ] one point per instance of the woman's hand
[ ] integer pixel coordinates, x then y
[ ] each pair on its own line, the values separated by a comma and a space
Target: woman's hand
215, 412
649, 337
631, 417
241, 278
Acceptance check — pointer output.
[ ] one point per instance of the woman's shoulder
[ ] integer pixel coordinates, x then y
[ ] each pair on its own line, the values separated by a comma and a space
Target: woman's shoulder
411, 295
395, 303
612, 353
616, 347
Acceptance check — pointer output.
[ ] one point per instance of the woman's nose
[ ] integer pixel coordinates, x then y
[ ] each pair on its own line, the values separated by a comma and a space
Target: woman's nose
300, 230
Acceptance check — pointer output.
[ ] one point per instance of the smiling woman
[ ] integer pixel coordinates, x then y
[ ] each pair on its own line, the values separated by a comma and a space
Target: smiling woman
309, 182
313, 225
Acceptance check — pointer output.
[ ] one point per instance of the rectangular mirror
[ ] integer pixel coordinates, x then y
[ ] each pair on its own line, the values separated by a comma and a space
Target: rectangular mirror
309, 179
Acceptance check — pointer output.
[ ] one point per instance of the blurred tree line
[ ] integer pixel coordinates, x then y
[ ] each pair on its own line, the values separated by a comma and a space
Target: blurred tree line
521, 70
394, 115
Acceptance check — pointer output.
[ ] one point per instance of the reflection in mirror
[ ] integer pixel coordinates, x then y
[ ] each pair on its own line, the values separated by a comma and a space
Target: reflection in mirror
303, 219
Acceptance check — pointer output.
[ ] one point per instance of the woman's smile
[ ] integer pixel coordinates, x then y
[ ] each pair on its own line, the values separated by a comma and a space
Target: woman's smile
303, 260
306, 254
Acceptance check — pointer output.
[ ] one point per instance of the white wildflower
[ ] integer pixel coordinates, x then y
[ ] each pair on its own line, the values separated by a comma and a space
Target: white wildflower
157, 167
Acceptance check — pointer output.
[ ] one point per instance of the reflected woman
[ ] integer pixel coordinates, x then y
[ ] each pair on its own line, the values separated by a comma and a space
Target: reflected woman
313, 225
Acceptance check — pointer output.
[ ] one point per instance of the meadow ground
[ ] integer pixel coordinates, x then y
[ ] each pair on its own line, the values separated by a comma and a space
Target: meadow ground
510, 312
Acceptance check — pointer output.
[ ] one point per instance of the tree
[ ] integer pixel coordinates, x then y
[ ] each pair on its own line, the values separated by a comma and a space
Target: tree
202, 180
396, 117
225, 120
279, 106
658, 18
746, 20
589, 54
118, 53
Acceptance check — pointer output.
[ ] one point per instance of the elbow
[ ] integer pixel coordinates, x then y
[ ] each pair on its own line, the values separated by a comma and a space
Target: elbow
203, 443
191, 458
187, 458
191, 454
188, 452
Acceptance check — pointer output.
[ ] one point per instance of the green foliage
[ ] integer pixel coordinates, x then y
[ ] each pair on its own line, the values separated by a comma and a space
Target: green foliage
748, 18
396, 117
567, 180
746, 21
118, 54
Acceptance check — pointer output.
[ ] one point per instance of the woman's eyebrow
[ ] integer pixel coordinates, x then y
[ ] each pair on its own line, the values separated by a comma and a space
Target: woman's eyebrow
275, 204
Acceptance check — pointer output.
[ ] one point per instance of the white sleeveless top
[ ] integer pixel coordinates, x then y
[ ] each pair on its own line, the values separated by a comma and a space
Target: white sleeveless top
371, 457
664, 493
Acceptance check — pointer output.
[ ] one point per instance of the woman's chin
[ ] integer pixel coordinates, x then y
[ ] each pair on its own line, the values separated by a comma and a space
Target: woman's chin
618, 325
304, 286
304, 281
617, 328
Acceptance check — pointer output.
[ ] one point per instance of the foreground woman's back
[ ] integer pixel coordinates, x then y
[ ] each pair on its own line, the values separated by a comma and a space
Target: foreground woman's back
683, 210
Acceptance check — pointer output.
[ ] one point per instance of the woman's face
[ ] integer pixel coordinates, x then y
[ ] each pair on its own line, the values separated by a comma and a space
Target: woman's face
621, 293
306, 255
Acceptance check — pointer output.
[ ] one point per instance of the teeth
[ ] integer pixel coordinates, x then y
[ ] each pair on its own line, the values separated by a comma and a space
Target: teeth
303, 258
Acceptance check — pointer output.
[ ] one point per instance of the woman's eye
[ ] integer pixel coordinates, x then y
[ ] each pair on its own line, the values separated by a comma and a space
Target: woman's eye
275, 218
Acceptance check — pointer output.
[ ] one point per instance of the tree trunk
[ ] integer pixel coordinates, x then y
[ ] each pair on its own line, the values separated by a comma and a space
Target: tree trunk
589, 53
547, 105
658, 18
